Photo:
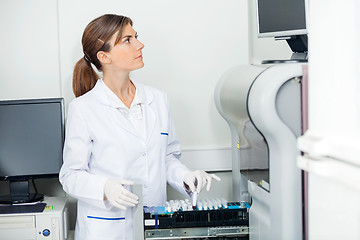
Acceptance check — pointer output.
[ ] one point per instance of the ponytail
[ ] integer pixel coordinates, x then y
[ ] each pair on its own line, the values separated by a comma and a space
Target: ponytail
84, 77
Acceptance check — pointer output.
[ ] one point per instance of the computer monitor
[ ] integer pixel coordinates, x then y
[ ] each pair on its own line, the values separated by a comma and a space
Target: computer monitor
31, 144
284, 20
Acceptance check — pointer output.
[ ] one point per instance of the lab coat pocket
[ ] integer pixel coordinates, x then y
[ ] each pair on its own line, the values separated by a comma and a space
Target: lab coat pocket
105, 225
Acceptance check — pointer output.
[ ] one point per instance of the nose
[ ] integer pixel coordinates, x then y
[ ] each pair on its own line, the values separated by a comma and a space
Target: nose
139, 45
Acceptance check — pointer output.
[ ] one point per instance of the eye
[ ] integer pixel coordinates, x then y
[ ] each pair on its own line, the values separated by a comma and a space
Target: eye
136, 36
127, 40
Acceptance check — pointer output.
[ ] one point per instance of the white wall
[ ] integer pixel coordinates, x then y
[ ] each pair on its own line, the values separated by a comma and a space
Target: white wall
29, 48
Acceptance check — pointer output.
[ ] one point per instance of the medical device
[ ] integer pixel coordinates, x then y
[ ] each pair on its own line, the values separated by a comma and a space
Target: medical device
211, 218
52, 223
177, 219
284, 20
262, 106
31, 144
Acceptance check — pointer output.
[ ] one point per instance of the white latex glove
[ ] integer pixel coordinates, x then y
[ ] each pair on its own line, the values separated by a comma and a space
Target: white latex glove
118, 195
196, 180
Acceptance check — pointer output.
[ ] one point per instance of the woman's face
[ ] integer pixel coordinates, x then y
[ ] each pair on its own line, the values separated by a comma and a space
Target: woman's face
126, 55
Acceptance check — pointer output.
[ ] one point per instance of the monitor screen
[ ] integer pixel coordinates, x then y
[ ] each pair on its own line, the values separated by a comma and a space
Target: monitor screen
281, 18
31, 138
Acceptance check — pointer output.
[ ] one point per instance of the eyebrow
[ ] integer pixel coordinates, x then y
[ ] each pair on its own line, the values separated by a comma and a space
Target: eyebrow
129, 35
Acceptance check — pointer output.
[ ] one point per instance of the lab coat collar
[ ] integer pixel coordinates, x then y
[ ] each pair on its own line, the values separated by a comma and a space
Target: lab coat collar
102, 92
117, 103
146, 96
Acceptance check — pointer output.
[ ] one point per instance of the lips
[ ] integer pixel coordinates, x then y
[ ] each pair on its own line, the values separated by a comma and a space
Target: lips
140, 56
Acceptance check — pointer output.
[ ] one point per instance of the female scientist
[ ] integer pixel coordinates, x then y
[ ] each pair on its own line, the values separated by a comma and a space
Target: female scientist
118, 131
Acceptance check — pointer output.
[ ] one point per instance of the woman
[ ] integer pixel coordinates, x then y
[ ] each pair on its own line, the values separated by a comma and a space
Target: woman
118, 131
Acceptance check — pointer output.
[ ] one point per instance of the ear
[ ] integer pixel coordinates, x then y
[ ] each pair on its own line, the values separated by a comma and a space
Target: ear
103, 57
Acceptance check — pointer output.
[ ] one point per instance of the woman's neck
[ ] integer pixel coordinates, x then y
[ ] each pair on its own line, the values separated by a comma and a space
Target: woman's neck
122, 86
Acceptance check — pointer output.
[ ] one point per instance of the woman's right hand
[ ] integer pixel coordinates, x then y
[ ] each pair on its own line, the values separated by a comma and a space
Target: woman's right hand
118, 195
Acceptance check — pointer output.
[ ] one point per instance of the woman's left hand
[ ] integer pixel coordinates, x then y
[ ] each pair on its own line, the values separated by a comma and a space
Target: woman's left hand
196, 180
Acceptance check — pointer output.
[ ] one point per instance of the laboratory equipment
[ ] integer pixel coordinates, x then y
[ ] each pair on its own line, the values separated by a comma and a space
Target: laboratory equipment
178, 220
31, 144
52, 223
194, 199
262, 106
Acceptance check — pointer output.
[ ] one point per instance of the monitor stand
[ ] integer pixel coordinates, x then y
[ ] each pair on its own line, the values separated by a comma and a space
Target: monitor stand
298, 45
19, 193
295, 58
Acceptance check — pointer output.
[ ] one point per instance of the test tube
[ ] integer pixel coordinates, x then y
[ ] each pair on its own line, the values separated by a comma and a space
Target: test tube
172, 205
199, 205
184, 206
224, 203
177, 204
205, 205
167, 207
215, 204
218, 203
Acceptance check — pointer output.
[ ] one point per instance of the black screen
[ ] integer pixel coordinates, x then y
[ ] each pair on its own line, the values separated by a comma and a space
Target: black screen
281, 15
31, 138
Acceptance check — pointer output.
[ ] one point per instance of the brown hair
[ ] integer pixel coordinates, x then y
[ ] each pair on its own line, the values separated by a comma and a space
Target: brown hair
94, 39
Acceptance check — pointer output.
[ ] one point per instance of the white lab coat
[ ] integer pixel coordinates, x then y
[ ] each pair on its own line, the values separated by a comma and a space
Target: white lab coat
101, 143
